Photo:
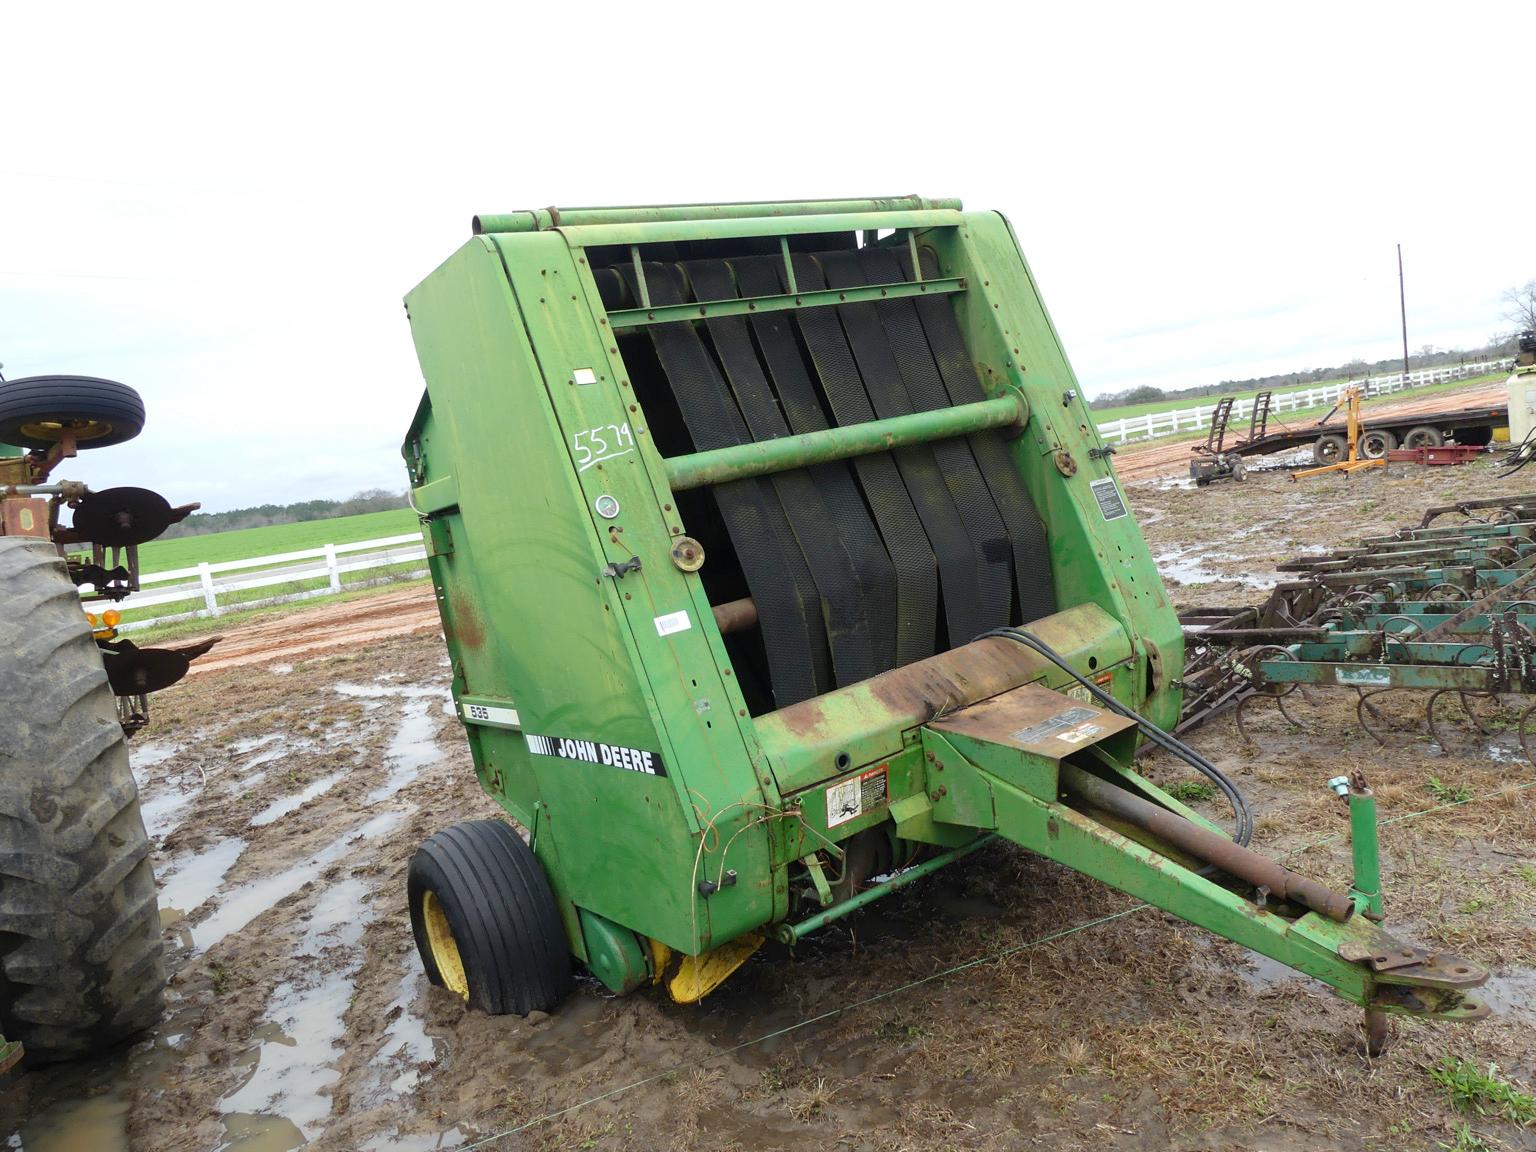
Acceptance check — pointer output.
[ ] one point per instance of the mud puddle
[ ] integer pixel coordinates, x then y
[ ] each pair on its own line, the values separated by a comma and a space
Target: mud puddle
249, 901
187, 884
411, 749
287, 1091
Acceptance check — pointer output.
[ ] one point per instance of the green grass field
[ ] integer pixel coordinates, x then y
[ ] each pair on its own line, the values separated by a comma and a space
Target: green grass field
246, 543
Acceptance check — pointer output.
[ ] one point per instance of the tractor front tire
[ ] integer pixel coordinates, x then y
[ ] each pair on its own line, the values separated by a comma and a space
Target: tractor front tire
485, 920
81, 965
36, 411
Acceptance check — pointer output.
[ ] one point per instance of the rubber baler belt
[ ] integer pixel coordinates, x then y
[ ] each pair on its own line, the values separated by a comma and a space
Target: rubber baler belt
920, 376
789, 606
855, 609
1033, 580
914, 621
959, 556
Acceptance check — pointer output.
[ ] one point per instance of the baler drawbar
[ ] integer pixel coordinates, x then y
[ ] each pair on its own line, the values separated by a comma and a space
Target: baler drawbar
780, 564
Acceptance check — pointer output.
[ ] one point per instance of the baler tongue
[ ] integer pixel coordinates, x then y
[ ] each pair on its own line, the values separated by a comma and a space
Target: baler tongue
1036, 766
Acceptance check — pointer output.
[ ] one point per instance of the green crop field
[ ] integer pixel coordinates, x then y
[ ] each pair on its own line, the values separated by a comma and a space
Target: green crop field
247, 543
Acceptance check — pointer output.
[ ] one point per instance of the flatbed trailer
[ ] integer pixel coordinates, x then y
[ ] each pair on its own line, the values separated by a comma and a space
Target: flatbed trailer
1380, 435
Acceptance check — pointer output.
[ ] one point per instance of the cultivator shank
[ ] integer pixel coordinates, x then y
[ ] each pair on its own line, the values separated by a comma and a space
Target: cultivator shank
847, 430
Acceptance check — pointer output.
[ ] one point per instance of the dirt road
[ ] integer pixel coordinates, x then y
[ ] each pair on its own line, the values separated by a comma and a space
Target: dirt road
297, 635
1171, 457
286, 788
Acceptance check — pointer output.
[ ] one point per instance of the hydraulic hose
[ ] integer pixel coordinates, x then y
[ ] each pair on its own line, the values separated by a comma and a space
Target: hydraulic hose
1242, 814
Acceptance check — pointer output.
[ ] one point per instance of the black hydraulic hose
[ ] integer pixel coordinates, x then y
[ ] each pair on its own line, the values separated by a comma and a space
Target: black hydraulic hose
1521, 455
1242, 814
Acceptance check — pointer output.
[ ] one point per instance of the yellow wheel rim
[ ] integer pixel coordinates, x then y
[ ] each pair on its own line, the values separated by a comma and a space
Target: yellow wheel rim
445, 950
54, 429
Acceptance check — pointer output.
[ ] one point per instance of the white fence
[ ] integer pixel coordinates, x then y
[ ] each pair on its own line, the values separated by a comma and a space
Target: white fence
205, 583
1194, 419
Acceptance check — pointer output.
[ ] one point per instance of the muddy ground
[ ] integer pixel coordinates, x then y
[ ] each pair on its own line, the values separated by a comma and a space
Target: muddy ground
285, 796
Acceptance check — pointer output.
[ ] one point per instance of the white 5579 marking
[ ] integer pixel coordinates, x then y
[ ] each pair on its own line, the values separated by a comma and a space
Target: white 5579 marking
605, 442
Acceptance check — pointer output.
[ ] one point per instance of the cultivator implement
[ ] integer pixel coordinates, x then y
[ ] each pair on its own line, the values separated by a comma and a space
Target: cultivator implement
1447, 609
780, 564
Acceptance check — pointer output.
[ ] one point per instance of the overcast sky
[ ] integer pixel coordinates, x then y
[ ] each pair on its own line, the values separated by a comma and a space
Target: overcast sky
223, 206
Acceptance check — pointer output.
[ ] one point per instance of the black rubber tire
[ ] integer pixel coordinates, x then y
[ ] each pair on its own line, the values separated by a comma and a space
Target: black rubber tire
1376, 443
81, 965
1423, 436
502, 913
1330, 449
1479, 436
114, 409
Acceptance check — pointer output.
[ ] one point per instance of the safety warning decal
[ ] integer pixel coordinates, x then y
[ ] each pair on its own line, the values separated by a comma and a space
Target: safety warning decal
1060, 725
591, 752
851, 798
1110, 502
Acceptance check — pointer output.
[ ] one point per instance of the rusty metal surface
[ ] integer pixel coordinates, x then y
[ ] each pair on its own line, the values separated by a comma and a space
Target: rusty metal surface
24, 516
735, 615
1036, 720
1280, 882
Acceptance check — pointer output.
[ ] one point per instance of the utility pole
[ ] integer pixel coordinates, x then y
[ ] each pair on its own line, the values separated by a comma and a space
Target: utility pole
1402, 304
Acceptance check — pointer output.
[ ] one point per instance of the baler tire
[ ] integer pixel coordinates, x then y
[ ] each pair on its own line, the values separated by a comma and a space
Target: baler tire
1330, 449
101, 412
480, 882
1423, 436
81, 960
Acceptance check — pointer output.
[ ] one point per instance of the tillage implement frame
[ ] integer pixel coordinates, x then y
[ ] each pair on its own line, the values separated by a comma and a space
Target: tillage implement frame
780, 564
1445, 608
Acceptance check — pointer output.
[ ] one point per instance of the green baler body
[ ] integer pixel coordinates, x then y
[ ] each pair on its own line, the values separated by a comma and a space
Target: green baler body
610, 715
510, 458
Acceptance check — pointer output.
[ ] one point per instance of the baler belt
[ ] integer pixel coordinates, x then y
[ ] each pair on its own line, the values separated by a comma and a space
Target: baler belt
917, 585
903, 579
959, 557
920, 377
855, 609
789, 606
1026, 531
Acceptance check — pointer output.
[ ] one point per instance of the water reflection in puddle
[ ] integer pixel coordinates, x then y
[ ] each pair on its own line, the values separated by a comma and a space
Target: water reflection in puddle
411, 749
249, 901
1511, 993
280, 808
187, 883
406, 1044
89, 1124
291, 1074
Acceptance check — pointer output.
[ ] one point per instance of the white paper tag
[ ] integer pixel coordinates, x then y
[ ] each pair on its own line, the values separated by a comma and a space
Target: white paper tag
673, 622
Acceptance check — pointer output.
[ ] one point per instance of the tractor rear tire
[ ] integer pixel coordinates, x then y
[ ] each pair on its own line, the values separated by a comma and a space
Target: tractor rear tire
1330, 449
35, 411
1423, 436
485, 920
81, 965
